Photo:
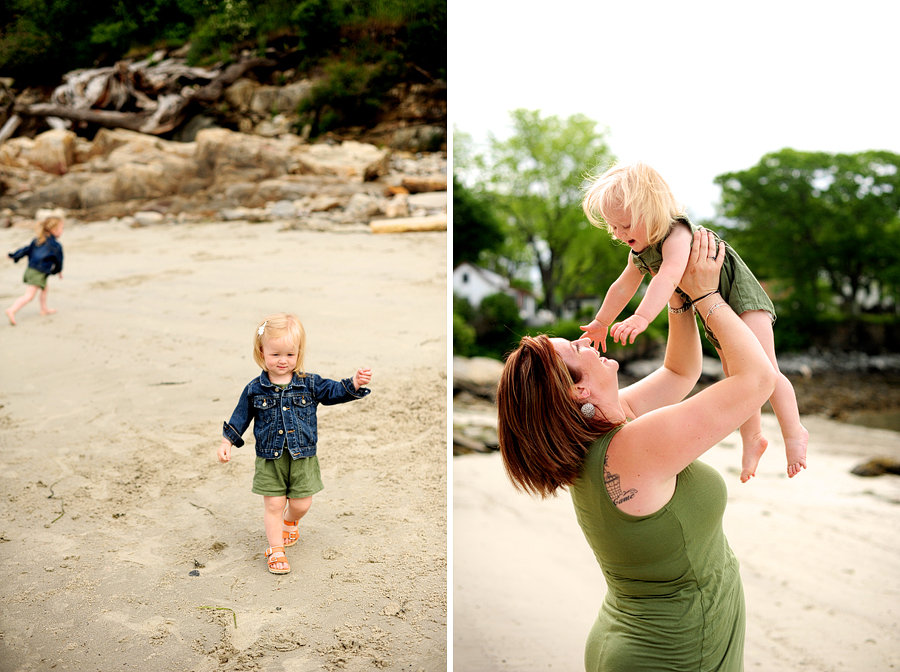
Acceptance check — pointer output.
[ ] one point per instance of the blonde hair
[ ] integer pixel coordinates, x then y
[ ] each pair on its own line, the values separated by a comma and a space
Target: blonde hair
637, 190
276, 326
45, 229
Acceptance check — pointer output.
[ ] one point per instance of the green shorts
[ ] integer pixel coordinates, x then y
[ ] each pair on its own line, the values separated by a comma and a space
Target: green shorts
286, 476
35, 277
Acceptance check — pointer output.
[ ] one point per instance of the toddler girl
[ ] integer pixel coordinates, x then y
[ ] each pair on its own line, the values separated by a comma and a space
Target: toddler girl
282, 404
638, 208
45, 258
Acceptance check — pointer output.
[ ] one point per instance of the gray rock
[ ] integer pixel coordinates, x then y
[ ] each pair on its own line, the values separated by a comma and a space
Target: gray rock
282, 210
431, 200
147, 218
477, 375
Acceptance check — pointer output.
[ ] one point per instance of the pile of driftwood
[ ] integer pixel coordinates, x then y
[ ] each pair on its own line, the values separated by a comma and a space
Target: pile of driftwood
150, 96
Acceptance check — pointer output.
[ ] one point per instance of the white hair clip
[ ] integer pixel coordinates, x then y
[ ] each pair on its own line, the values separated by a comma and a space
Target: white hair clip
262, 328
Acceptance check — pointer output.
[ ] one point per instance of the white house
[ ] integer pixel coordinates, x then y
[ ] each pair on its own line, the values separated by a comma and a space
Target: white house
474, 283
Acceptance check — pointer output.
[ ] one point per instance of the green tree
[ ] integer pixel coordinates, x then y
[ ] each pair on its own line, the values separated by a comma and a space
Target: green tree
463, 337
818, 220
535, 178
475, 227
385, 40
497, 325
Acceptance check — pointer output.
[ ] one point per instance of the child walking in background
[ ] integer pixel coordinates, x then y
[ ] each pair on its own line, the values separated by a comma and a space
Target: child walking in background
45, 258
282, 404
636, 206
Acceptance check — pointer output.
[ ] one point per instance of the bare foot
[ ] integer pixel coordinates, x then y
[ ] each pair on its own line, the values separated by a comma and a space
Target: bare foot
753, 450
48, 311
795, 448
11, 315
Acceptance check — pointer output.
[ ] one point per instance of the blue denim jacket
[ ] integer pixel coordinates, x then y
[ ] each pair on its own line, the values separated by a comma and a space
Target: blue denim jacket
287, 414
46, 258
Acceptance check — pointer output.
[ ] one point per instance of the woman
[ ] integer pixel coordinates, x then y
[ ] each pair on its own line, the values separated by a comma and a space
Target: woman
651, 514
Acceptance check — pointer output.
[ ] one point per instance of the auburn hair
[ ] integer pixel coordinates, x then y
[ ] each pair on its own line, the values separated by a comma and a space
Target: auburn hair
544, 437
637, 190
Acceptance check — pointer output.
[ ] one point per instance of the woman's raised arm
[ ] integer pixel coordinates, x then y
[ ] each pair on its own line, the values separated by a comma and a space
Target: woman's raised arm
657, 446
680, 370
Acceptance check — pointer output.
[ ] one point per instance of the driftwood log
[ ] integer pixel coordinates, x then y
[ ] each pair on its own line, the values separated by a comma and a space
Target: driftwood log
78, 99
407, 224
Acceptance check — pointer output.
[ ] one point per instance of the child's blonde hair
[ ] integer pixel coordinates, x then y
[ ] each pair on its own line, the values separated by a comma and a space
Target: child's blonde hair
45, 228
637, 190
276, 326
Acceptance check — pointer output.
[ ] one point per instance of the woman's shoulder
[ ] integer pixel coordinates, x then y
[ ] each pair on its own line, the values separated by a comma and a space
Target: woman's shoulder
600, 446
591, 475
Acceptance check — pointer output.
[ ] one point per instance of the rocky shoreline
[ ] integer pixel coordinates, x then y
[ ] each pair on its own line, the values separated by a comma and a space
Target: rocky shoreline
849, 387
223, 175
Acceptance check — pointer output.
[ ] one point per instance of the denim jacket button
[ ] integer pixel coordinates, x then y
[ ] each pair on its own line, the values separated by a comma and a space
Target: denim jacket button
281, 431
284, 408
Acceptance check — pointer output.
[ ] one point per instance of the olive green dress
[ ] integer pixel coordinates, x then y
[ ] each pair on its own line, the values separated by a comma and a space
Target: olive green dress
674, 598
737, 284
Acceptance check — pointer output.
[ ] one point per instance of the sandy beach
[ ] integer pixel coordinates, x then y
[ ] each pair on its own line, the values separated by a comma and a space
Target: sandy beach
125, 545
819, 554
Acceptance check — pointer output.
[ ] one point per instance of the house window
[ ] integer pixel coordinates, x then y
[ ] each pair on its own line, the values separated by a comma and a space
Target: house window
465, 278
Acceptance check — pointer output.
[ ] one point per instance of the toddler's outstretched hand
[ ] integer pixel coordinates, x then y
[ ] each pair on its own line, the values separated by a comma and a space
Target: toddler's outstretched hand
224, 452
362, 377
624, 332
596, 331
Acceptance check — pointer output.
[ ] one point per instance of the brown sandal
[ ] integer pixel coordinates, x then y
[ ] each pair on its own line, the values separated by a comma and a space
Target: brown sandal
289, 538
274, 561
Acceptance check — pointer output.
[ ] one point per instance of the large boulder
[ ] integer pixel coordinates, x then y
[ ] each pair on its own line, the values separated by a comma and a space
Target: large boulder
272, 100
350, 160
53, 151
230, 156
477, 375
14, 152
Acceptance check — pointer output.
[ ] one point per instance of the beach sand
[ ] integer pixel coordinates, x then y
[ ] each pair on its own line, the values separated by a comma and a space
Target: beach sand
125, 545
819, 554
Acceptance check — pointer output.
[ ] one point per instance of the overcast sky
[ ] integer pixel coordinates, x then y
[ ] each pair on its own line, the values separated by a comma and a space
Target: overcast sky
693, 88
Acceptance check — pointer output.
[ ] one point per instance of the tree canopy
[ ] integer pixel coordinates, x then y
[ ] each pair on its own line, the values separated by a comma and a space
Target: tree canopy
475, 227
42, 39
535, 179
811, 218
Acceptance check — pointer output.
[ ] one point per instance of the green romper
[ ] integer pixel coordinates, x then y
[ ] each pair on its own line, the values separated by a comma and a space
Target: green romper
737, 284
674, 598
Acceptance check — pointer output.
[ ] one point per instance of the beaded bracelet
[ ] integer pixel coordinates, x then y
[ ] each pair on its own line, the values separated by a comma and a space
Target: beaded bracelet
698, 300
712, 309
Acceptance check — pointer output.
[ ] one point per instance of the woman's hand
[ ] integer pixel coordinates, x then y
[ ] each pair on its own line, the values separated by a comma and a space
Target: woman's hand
702, 273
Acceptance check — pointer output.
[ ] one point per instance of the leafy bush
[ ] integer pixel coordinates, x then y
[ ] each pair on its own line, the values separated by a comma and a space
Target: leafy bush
216, 34
463, 337
350, 94
498, 326
41, 40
